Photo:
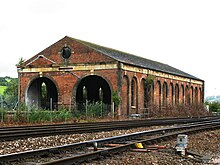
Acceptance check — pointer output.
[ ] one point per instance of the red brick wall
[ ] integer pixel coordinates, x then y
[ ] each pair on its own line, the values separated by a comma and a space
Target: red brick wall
179, 96
67, 84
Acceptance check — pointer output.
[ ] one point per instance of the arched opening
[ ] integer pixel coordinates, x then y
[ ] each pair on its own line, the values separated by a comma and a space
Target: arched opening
42, 93
165, 95
134, 95
149, 91
182, 94
171, 95
177, 94
94, 90
196, 96
187, 95
200, 96
125, 96
142, 94
158, 94
191, 95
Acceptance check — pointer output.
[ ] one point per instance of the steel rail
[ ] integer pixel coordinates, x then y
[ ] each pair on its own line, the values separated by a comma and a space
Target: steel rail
111, 151
13, 133
164, 134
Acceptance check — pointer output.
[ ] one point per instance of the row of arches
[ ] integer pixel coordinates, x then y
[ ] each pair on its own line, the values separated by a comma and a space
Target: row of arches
175, 94
147, 91
45, 93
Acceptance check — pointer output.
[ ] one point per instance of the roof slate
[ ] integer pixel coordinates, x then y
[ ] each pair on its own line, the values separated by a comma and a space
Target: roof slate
136, 60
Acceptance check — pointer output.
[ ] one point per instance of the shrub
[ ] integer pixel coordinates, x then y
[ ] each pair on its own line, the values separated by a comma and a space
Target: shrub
2, 115
36, 116
95, 109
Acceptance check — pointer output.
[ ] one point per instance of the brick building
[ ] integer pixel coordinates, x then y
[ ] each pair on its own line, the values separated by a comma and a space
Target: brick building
72, 71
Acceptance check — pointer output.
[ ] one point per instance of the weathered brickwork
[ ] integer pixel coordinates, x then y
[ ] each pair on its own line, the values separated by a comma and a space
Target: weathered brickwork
89, 66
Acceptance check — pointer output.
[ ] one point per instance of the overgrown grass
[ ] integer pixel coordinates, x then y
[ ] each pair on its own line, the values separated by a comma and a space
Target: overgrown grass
23, 115
40, 116
2, 89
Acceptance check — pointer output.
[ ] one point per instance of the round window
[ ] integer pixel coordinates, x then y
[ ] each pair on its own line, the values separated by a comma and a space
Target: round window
66, 52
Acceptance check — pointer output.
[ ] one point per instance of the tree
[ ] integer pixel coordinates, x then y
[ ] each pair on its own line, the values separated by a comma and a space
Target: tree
214, 106
11, 93
20, 62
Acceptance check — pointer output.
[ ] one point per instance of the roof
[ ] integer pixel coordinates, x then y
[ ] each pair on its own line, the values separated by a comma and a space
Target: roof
136, 60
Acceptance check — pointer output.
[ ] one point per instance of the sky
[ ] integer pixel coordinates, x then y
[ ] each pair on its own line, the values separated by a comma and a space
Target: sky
184, 34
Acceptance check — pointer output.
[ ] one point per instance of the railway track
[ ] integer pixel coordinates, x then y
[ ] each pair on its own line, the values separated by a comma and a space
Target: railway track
13, 133
86, 151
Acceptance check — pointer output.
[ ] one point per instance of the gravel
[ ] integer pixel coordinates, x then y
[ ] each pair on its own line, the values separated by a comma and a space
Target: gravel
52, 141
204, 143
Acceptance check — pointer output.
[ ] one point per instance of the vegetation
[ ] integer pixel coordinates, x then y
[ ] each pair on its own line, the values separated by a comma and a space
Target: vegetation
20, 62
193, 110
10, 94
2, 89
23, 115
213, 106
116, 99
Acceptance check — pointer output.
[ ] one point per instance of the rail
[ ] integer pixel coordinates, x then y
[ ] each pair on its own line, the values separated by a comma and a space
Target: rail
81, 152
13, 133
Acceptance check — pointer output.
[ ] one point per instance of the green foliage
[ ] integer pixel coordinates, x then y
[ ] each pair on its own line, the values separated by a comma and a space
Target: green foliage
36, 116
22, 115
116, 99
11, 93
214, 106
149, 82
20, 62
148, 86
95, 109
2, 89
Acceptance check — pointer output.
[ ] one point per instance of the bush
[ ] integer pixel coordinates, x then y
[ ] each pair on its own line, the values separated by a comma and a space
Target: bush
214, 106
36, 116
95, 109
2, 115
177, 111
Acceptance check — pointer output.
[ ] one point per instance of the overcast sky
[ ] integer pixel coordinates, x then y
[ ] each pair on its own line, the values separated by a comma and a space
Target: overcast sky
184, 34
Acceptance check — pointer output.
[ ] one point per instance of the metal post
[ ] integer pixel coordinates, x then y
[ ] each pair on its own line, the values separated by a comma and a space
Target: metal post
113, 110
51, 104
86, 108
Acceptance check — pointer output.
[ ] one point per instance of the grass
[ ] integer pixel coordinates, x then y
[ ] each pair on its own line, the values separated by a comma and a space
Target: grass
2, 88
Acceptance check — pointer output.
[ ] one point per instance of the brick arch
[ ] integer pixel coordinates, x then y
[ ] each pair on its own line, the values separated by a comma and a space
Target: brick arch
182, 94
171, 94
76, 84
187, 95
158, 93
196, 96
149, 91
200, 95
177, 94
165, 94
125, 96
134, 95
97, 90
33, 93
191, 95
142, 94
